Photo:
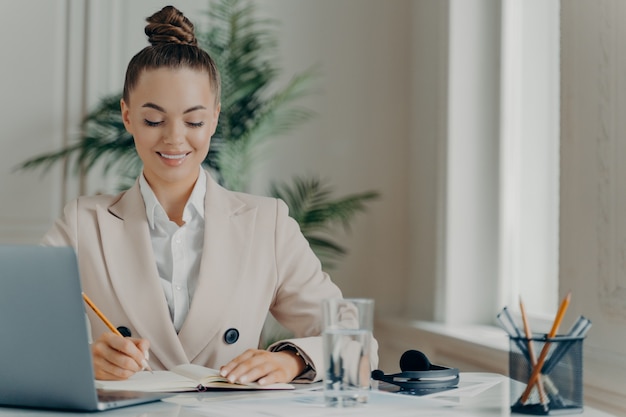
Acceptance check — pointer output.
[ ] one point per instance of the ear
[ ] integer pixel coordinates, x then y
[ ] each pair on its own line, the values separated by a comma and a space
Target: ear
216, 116
126, 116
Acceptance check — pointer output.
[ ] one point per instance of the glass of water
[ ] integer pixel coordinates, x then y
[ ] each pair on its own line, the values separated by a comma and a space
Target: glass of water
347, 335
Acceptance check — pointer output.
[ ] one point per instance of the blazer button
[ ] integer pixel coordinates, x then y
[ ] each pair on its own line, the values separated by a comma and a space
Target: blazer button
125, 331
231, 336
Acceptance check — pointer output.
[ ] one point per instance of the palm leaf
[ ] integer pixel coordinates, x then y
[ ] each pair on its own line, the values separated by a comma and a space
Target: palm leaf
311, 204
45, 161
244, 48
236, 158
103, 138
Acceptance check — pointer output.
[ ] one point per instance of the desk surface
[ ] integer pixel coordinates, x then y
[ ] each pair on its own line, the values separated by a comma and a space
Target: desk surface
480, 395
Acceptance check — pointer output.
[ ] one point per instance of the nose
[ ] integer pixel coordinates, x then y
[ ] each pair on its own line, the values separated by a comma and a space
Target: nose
174, 135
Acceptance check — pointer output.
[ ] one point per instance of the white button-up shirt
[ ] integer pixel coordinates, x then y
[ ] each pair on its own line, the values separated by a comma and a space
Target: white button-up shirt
177, 250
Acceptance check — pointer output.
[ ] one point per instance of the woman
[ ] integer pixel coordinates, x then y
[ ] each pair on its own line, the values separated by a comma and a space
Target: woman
189, 268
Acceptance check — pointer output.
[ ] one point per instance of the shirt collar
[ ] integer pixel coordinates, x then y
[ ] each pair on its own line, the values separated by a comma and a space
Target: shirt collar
154, 208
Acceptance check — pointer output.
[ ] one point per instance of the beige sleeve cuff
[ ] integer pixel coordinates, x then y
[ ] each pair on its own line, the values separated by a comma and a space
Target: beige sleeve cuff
309, 374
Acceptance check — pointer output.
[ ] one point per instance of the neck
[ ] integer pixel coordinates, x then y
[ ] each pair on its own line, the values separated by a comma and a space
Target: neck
173, 201
173, 197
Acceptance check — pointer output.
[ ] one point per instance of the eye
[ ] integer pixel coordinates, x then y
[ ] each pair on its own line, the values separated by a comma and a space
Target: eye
198, 124
151, 123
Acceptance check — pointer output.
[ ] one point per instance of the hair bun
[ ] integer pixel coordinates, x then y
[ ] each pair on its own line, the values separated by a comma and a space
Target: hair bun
169, 25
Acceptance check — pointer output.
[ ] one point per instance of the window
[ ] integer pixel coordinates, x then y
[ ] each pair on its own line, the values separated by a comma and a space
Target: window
501, 170
529, 155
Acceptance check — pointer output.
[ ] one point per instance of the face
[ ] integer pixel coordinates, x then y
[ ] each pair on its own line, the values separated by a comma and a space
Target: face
172, 114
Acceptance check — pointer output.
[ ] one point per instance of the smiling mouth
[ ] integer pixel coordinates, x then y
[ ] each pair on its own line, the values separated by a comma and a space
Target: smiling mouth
173, 156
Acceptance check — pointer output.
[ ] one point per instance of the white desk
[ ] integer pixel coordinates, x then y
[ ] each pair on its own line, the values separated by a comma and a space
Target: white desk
480, 395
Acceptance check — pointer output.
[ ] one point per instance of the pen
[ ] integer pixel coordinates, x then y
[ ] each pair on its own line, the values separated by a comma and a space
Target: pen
110, 326
580, 329
507, 323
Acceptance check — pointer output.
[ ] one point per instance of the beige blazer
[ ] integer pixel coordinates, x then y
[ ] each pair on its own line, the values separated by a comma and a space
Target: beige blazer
254, 260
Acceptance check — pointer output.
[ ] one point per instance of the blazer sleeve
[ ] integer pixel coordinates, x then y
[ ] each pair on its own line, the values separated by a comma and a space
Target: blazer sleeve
65, 228
302, 285
64, 232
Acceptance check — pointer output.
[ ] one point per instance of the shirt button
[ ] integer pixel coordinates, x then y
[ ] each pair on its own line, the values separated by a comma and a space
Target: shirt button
178, 287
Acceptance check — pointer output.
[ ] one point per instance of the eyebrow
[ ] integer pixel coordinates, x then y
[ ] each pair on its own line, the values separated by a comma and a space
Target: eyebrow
162, 110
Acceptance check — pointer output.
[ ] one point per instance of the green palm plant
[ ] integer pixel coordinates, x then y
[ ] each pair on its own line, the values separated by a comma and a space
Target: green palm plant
311, 204
253, 112
103, 138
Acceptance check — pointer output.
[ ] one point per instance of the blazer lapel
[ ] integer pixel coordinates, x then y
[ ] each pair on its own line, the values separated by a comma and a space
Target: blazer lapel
132, 269
229, 224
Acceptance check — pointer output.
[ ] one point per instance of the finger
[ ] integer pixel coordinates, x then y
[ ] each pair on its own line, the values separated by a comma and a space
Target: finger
286, 366
130, 348
115, 357
226, 370
106, 369
273, 377
266, 372
252, 369
144, 347
260, 365
241, 365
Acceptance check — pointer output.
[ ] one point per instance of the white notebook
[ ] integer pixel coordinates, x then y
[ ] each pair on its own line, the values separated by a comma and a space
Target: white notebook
187, 377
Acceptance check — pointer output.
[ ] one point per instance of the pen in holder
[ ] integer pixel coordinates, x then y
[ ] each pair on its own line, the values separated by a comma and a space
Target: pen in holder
554, 385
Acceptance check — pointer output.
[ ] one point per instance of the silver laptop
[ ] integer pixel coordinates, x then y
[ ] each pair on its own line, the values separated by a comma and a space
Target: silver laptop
45, 360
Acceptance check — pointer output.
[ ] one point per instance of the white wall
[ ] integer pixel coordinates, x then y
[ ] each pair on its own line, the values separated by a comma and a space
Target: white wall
32, 116
429, 90
593, 196
360, 138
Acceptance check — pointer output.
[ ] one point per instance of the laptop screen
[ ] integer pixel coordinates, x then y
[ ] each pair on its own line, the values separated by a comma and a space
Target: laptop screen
45, 359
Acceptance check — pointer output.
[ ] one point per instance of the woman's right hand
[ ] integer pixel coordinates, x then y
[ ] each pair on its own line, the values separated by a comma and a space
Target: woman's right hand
118, 358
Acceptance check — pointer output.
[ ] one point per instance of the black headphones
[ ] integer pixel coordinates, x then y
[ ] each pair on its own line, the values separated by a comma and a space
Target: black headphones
418, 374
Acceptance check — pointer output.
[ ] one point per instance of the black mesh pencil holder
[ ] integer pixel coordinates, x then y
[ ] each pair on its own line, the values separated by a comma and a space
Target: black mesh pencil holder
558, 387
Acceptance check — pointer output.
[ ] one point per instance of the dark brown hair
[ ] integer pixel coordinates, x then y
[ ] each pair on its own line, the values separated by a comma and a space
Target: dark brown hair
173, 44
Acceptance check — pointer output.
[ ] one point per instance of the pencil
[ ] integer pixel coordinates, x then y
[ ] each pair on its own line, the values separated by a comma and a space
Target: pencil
110, 325
531, 351
546, 347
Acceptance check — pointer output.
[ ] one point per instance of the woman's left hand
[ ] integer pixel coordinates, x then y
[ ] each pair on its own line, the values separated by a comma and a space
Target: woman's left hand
263, 367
